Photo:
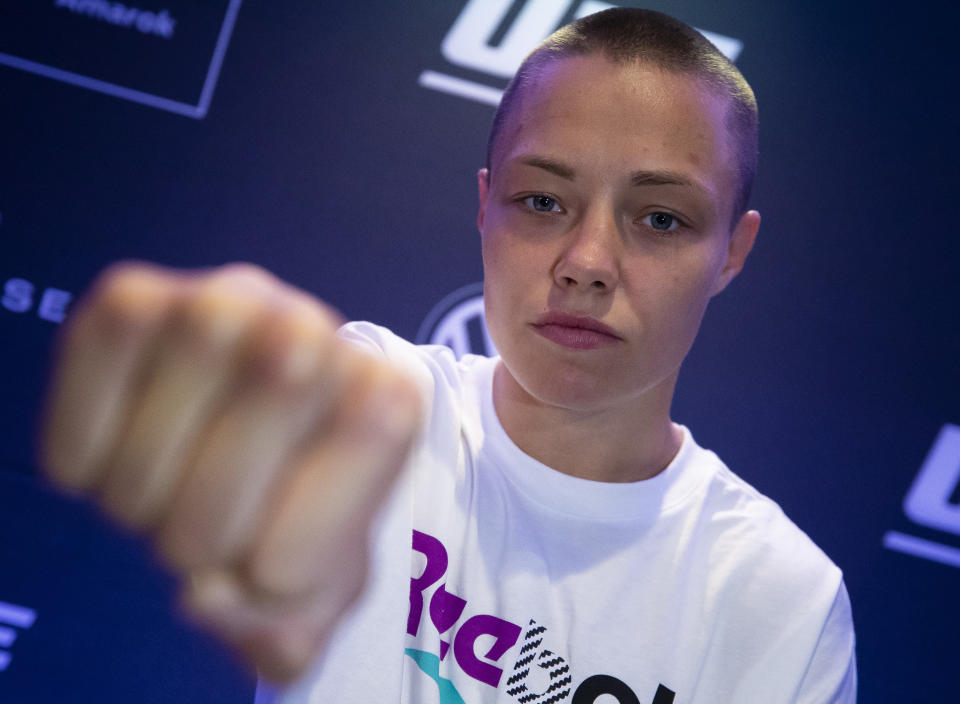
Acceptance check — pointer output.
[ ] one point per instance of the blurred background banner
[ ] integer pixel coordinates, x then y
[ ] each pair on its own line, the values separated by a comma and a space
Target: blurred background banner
337, 144
113, 48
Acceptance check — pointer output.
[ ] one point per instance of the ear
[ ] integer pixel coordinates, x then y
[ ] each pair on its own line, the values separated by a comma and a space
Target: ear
483, 189
741, 242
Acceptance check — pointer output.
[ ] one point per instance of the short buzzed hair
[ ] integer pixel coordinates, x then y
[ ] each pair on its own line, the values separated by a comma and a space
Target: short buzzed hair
644, 36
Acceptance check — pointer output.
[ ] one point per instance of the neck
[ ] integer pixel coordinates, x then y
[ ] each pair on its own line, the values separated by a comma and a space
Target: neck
624, 442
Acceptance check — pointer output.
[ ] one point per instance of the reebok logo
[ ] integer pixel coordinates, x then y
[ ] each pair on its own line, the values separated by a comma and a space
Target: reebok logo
539, 674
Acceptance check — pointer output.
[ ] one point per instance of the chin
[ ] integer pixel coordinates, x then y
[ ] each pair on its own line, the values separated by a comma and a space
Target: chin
565, 386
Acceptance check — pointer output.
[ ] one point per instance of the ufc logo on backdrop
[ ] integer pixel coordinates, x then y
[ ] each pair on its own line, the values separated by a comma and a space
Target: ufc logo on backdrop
12, 616
458, 321
932, 501
478, 41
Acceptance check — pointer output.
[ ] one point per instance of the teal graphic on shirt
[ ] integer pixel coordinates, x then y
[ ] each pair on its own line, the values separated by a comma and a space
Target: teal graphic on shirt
430, 665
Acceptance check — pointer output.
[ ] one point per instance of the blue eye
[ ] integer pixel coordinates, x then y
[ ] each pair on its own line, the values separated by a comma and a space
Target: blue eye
661, 221
542, 204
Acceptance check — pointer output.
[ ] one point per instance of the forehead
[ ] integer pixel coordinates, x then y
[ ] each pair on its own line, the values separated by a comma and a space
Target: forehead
618, 118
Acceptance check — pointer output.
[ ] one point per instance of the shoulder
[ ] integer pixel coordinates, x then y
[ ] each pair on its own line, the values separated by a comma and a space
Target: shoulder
751, 528
382, 341
774, 586
428, 364
452, 389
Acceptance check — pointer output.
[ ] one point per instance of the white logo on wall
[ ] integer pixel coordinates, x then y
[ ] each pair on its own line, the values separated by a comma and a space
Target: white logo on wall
468, 43
458, 322
21, 296
12, 615
187, 83
159, 23
930, 501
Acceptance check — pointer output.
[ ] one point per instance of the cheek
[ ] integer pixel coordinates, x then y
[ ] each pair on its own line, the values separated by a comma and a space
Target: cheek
697, 293
701, 269
491, 255
503, 257
682, 298
496, 276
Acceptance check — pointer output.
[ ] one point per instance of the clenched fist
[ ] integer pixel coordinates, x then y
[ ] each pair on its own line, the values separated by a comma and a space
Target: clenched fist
219, 412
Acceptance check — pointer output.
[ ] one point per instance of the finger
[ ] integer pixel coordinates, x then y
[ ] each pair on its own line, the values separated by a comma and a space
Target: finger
288, 380
318, 524
281, 639
99, 360
189, 374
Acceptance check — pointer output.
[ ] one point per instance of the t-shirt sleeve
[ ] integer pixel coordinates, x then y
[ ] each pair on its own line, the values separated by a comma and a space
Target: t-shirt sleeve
831, 677
423, 365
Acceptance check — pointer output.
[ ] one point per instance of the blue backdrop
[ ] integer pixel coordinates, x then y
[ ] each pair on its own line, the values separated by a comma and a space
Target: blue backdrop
336, 144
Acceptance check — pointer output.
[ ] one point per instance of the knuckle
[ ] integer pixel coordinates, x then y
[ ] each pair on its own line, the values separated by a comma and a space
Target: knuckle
175, 552
293, 346
239, 280
120, 274
336, 581
219, 312
282, 653
245, 274
270, 580
235, 302
125, 298
300, 628
326, 315
391, 404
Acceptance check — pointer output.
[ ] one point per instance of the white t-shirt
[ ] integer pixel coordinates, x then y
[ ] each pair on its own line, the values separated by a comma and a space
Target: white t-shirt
497, 579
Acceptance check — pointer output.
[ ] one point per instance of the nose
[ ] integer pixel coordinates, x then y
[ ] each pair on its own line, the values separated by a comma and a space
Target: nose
590, 258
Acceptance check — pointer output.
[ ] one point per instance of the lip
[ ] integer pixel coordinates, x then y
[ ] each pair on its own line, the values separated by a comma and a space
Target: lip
575, 331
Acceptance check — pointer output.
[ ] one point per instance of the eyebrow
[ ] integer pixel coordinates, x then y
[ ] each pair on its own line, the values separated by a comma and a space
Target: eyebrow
641, 177
551, 165
661, 177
